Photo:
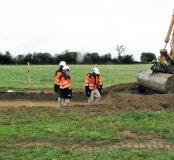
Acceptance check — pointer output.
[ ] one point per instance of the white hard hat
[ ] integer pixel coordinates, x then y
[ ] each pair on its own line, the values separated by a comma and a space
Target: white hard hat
95, 70
66, 68
62, 63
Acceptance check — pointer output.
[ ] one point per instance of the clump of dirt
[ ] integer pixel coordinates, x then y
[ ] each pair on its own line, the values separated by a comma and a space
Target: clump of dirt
116, 97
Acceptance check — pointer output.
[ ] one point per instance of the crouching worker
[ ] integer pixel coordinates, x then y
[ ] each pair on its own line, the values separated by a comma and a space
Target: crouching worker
65, 93
93, 86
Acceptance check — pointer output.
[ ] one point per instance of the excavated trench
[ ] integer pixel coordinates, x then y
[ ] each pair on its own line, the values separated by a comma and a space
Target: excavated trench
116, 97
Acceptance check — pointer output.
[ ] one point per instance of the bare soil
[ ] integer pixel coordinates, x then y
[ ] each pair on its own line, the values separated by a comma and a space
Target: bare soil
117, 97
148, 143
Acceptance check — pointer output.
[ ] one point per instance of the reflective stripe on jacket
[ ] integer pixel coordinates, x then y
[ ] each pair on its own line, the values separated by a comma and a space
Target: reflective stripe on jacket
93, 82
65, 83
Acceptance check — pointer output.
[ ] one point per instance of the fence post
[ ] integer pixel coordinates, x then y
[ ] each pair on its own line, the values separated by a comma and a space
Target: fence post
29, 74
45, 80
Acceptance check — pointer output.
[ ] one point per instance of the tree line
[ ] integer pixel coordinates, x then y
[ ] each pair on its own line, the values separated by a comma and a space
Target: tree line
73, 58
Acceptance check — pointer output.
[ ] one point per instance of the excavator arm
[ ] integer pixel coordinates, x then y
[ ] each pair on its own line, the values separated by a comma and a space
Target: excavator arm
161, 76
166, 59
172, 43
163, 54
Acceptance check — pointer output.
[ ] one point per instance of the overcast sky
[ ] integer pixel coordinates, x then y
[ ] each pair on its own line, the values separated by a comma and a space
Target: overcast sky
84, 25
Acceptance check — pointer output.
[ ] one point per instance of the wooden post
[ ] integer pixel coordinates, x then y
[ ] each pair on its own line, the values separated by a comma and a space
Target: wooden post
28, 70
45, 79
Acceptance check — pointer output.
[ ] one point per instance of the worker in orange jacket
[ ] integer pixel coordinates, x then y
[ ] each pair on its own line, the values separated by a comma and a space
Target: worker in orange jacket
58, 77
93, 86
65, 88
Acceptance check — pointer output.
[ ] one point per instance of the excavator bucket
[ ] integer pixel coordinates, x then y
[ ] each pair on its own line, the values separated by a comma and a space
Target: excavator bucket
160, 82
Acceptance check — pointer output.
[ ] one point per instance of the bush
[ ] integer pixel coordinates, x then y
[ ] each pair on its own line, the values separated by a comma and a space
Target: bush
147, 57
69, 57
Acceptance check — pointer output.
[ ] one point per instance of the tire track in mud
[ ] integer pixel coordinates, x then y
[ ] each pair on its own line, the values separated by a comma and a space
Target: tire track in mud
120, 145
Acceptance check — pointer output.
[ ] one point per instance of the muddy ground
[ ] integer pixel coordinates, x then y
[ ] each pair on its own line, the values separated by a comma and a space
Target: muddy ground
118, 97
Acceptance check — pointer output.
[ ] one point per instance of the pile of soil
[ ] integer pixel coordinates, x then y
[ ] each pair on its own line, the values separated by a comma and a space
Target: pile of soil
116, 97
129, 97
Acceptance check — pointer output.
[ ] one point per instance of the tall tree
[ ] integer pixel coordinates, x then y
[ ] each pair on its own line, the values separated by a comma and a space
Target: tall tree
120, 50
7, 58
147, 57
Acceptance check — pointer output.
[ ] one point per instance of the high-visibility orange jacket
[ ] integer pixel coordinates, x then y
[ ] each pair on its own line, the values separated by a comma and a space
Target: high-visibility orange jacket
93, 82
58, 78
65, 83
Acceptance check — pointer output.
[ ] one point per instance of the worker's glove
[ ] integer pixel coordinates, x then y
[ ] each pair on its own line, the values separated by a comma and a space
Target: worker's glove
87, 91
55, 88
88, 94
70, 93
100, 89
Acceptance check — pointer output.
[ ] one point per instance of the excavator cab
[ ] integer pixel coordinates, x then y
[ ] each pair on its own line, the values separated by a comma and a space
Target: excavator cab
161, 76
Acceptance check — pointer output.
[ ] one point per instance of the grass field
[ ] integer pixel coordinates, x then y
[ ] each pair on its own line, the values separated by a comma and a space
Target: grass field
44, 134
42, 76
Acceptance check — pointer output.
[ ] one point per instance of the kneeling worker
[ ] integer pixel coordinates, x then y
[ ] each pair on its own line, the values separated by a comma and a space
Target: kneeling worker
65, 88
93, 86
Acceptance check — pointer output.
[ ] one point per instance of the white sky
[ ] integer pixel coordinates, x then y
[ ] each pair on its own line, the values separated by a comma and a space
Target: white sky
84, 25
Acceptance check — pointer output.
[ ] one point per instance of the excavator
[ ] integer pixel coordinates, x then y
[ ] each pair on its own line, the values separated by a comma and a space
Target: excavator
161, 76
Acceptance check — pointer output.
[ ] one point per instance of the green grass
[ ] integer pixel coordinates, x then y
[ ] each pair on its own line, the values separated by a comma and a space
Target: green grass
46, 134
58, 153
42, 76
22, 124
64, 130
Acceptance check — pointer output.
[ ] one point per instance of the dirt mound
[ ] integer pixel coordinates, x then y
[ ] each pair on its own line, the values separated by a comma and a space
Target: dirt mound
128, 97
116, 97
